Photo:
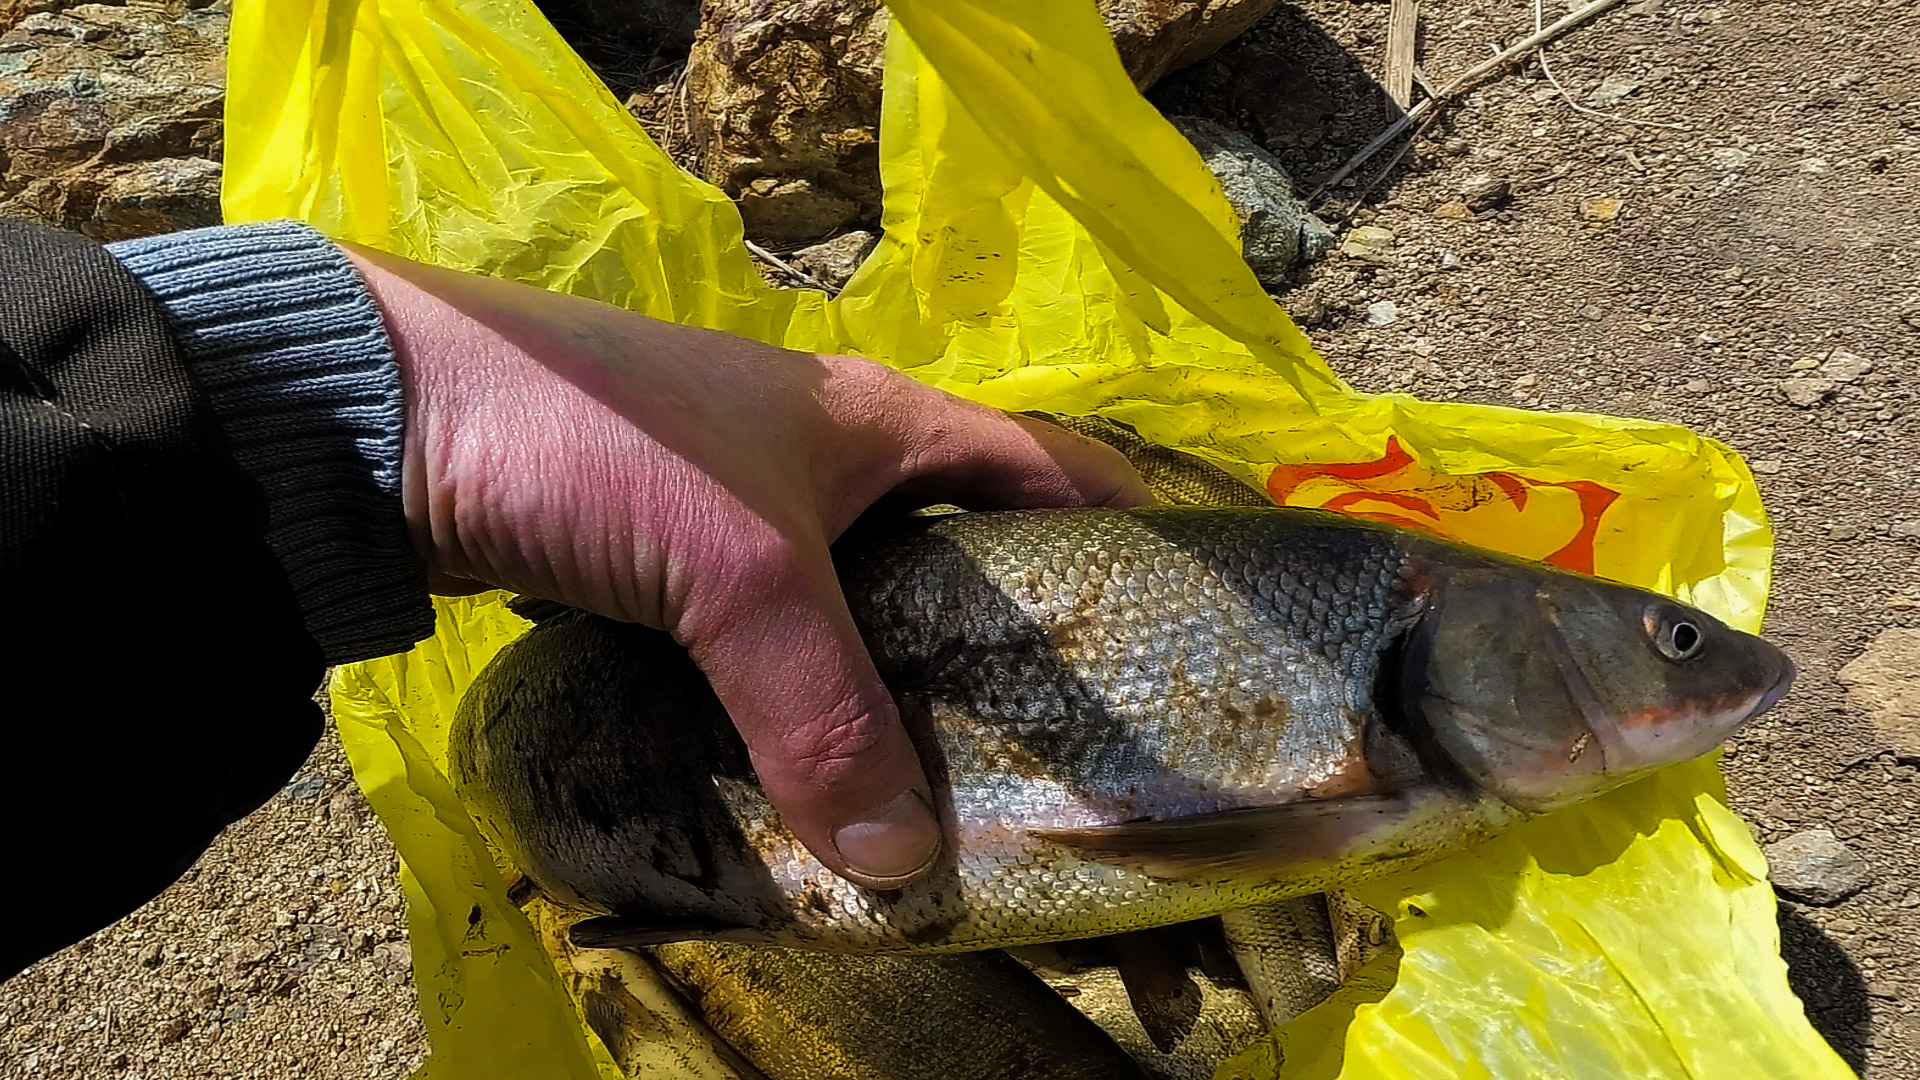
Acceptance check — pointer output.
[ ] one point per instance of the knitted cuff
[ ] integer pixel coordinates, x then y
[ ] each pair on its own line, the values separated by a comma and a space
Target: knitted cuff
280, 332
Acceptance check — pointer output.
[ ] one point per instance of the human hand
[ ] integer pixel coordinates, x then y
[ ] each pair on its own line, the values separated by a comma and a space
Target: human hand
693, 481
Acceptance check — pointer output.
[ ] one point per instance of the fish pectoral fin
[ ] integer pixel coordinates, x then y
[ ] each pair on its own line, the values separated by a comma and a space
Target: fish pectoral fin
1240, 843
623, 932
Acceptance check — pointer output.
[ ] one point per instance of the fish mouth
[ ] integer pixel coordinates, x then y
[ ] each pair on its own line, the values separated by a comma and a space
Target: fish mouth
1779, 689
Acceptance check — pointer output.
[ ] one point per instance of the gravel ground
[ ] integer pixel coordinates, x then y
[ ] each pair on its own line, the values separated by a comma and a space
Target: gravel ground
1751, 274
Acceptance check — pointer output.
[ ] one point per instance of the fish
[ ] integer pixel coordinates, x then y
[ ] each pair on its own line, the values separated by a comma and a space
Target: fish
1129, 718
808, 1015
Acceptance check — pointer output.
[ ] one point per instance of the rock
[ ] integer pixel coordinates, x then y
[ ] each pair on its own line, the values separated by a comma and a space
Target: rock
1593, 312
306, 788
1453, 211
787, 102
1814, 867
1485, 192
1881, 682
1806, 393
1383, 313
110, 117
834, 261
1278, 234
394, 956
1698, 386
786, 97
174, 1030
1612, 90
1905, 530
1601, 208
1526, 382
150, 955
1158, 36
1367, 241
1843, 532
1807, 363
1845, 367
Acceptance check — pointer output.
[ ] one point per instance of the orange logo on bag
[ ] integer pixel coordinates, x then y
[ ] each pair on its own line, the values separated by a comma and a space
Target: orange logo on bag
1555, 523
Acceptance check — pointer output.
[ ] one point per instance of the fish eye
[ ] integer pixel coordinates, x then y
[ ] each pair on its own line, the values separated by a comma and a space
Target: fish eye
1679, 640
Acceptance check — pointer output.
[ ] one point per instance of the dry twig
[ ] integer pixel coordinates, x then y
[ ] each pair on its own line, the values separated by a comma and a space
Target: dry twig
1576, 106
1403, 24
1471, 77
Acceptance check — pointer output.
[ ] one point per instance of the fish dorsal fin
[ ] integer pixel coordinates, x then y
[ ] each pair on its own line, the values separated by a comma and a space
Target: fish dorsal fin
1253, 842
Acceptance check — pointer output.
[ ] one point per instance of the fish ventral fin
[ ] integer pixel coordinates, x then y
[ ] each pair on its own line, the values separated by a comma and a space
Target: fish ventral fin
620, 932
1255, 841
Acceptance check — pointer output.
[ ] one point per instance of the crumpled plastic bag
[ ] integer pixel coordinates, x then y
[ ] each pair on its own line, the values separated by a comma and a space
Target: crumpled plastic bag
1050, 243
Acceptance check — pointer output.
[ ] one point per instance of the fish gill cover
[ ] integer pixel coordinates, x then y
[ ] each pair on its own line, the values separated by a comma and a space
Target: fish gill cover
1050, 243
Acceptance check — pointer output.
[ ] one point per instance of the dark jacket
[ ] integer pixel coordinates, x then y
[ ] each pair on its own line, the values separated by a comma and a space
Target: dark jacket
157, 681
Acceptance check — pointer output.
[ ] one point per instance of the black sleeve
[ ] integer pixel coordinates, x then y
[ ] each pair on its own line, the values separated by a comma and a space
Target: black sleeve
158, 683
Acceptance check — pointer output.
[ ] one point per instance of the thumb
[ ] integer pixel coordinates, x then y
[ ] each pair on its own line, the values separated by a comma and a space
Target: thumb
785, 659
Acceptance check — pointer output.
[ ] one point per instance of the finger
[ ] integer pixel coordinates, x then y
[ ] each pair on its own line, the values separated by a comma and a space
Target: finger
982, 458
825, 738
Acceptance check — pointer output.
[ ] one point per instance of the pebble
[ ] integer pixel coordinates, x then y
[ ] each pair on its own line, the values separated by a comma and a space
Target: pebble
306, 787
1526, 382
1731, 157
1807, 363
1367, 240
1593, 312
1383, 313
1814, 867
1843, 532
1698, 386
1601, 208
1453, 211
1806, 393
1486, 192
1612, 90
1905, 530
1845, 367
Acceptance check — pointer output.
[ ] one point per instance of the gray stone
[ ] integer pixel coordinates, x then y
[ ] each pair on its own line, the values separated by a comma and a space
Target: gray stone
1814, 867
306, 788
1612, 90
834, 261
1278, 234
1807, 393
1845, 367
1383, 313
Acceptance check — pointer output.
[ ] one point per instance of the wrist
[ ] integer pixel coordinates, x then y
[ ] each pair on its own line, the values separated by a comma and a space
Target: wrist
278, 330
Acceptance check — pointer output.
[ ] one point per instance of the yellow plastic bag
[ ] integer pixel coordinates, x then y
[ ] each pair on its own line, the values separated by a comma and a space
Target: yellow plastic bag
1050, 243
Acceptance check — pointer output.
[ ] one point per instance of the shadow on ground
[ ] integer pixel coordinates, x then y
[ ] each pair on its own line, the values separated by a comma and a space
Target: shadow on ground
1826, 980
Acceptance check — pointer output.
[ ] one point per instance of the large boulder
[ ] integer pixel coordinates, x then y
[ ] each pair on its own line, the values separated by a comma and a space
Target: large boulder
786, 97
110, 116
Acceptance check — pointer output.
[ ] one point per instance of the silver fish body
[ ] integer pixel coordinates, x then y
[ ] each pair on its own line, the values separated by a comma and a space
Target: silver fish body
1130, 718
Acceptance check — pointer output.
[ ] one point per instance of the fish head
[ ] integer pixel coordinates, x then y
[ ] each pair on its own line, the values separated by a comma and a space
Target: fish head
1545, 688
